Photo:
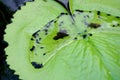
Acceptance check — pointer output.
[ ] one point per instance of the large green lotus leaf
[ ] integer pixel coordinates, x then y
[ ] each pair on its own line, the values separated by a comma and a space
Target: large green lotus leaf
46, 43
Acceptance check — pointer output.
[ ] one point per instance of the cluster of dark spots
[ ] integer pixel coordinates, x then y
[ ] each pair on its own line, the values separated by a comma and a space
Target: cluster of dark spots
86, 35
37, 41
94, 25
33, 48
60, 35
46, 31
61, 14
36, 65
98, 12
36, 34
79, 11
49, 24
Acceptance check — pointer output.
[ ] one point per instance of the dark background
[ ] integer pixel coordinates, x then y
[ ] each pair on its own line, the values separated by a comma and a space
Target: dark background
7, 9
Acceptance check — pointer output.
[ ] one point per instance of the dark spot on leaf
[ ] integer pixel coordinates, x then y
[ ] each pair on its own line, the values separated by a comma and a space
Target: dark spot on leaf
94, 25
49, 23
32, 39
44, 54
61, 14
46, 30
117, 16
55, 21
37, 41
108, 14
33, 47
41, 47
90, 11
98, 12
60, 35
115, 25
46, 33
36, 34
118, 24
84, 36
90, 34
75, 38
40, 39
36, 65
64, 13
79, 11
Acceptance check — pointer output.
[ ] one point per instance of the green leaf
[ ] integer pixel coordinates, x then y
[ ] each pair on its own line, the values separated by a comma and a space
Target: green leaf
108, 6
51, 44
